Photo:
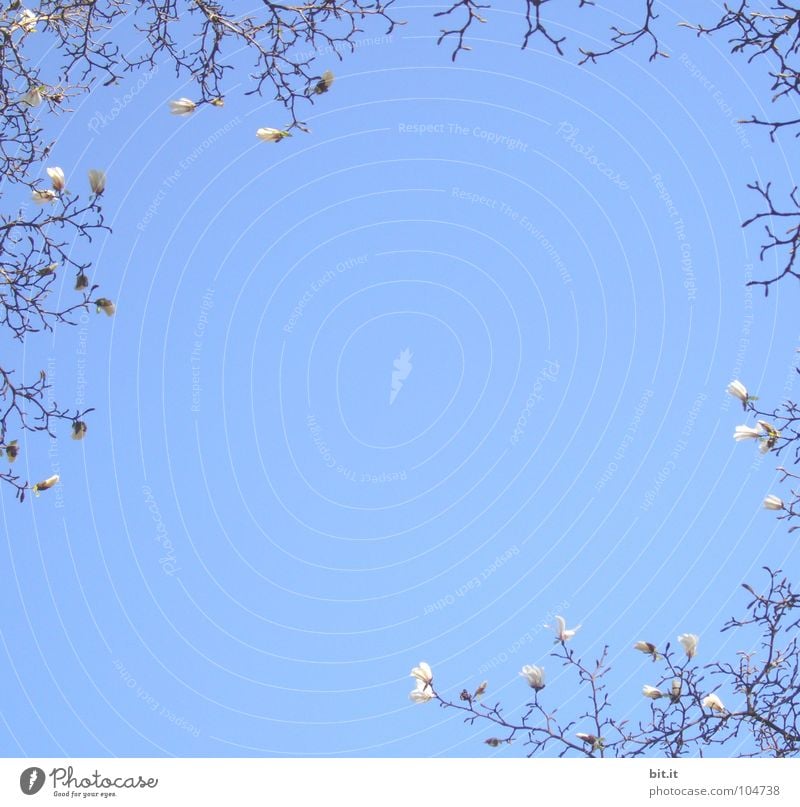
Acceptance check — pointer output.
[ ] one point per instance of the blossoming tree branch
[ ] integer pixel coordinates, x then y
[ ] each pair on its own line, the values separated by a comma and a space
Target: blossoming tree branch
753, 699
51, 213
688, 713
280, 41
49, 234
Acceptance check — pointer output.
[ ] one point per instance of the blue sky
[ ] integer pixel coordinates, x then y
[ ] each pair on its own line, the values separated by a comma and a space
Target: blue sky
255, 544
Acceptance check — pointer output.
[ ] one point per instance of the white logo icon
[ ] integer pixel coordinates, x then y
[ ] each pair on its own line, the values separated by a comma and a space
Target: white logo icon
402, 369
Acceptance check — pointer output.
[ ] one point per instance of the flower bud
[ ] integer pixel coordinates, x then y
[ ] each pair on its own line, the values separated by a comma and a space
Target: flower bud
183, 106
46, 484
97, 181
106, 306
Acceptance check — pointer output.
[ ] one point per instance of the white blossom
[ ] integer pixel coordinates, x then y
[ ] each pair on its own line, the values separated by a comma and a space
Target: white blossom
768, 428
595, 742
97, 181
689, 642
324, 84
738, 390
272, 135
183, 106
423, 673
562, 633
43, 197
649, 648
57, 178
746, 433
772, 433
33, 97
714, 703
26, 20
422, 694
47, 483
534, 676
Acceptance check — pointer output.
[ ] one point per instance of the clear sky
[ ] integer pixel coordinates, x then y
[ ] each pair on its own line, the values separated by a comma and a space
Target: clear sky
264, 530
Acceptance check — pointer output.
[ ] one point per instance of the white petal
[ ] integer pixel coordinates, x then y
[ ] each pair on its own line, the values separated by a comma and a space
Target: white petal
183, 106
737, 390
713, 702
423, 673
97, 181
746, 433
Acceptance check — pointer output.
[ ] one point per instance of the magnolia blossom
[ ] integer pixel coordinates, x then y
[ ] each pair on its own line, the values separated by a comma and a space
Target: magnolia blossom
47, 483
324, 84
768, 428
689, 642
218, 102
481, 690
183, 106
12, 450
772, 436
595, 742
534, 676
422, 694
738, 390
33, 97
43, 197
649, 648
652, 692
26, 21
81, 282
57, 178
675, 689
560, 628
272, 135
423, 673
79, 430
105, 305
772, 502
714, 703
746, 433
97, 181
766, 433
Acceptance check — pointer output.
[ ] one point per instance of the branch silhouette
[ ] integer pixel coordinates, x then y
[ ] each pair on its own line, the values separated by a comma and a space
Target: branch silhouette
687, 715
